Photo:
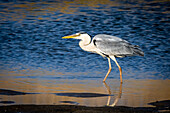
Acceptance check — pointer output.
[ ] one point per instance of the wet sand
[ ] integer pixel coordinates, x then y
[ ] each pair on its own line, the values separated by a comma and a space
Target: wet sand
93, 93
131, 97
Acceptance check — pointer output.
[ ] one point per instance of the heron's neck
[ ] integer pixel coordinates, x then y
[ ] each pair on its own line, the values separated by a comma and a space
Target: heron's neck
84, 43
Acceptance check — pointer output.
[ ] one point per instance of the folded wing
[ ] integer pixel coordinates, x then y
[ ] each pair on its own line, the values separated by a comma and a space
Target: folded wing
114, 46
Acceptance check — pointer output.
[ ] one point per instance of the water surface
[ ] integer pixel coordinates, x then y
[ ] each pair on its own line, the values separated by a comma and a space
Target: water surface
35, 59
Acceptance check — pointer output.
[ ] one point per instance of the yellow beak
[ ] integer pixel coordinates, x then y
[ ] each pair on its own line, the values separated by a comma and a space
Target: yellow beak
69, 36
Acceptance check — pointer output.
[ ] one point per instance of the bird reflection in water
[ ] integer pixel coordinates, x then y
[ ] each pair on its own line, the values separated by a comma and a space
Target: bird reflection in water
116, 98
92, 95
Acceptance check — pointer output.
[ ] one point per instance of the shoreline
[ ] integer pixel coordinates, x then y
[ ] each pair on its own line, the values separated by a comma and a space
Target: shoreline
78, 109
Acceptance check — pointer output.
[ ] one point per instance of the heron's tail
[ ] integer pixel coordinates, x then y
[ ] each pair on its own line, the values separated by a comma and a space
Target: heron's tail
138, 51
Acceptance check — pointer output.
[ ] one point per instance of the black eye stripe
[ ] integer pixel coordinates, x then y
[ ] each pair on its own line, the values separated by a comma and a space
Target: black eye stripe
82, 32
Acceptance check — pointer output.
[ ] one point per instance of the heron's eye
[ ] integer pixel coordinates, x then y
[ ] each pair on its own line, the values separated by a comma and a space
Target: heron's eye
77, 34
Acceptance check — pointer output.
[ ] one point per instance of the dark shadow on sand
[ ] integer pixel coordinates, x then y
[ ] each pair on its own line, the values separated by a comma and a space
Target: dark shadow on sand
82, 95
12, 92
7, 102
69, 102
162, 105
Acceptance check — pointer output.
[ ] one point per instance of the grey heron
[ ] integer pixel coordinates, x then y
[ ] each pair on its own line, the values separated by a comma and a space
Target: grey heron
107, 46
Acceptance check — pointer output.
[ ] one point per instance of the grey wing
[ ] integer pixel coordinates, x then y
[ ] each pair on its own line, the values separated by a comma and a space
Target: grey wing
114, 46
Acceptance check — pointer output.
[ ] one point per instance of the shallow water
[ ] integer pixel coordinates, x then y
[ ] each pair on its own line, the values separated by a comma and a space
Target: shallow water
134, 93
35, 59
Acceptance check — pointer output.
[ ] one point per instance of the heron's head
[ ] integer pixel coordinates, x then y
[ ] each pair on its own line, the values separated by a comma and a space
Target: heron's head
79, 35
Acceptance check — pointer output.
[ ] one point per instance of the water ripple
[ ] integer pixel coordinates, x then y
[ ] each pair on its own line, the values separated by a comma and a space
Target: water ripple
30, 36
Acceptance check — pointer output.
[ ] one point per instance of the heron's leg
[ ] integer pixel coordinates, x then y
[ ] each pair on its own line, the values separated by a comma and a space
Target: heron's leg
110, 68
120, 69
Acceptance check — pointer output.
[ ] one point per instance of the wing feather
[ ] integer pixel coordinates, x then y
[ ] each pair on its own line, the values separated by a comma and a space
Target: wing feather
111, 45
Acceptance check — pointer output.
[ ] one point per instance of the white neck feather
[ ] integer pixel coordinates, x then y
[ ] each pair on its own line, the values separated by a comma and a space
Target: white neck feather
85, 42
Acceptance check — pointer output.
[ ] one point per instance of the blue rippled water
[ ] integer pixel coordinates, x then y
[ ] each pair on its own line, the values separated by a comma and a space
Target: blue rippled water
31, 31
